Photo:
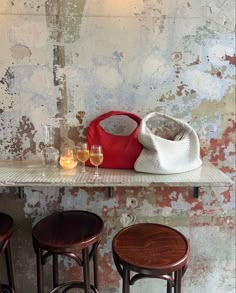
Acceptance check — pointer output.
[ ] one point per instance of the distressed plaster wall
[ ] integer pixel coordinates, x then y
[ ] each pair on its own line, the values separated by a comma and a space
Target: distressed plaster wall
65, 62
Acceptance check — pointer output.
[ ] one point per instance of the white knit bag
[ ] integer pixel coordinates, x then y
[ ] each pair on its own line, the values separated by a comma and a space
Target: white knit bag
164, 156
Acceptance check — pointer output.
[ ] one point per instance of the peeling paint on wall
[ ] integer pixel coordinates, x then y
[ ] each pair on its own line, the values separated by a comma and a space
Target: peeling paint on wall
63, 63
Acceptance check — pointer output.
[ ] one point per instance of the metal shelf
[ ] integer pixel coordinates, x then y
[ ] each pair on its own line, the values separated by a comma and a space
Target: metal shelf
27, 173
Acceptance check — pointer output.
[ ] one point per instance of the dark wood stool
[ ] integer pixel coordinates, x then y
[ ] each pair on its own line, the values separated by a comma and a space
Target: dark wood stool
69, 233
6, 230
150, 251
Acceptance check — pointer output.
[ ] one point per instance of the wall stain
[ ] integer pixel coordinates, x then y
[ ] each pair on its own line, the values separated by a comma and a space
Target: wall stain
31, 4
181, 90
151, 16
80, 116
23, 142
20, 52
196, 62
63, 19
167, 97
209, 108
77, 134
201, 36
218, 145
176, 56
231, 59
8, 78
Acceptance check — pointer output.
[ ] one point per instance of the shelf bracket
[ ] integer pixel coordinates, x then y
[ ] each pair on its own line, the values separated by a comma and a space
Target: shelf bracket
21, 192
110, 191
196, 192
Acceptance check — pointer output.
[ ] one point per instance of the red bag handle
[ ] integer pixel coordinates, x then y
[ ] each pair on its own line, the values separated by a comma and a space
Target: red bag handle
102, 117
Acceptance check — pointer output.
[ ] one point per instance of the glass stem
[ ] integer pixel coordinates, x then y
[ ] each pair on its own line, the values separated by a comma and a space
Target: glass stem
96, 170
83, 167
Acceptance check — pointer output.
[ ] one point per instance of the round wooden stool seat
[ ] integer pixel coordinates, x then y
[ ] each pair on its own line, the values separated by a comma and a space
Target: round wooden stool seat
62, 231
151, 250
6, 231
68, 233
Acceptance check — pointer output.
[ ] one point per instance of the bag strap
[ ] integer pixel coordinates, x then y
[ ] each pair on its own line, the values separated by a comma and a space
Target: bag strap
104, 116
146, 136
184, 124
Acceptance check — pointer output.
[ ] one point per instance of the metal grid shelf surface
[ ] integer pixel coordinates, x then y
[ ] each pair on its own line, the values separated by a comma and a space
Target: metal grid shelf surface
26, 173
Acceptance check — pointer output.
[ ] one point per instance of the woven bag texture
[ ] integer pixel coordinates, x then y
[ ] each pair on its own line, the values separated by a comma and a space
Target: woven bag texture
119, 151
165, 156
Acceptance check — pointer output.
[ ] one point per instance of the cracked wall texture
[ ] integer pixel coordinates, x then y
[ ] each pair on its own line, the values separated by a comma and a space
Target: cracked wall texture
65, 62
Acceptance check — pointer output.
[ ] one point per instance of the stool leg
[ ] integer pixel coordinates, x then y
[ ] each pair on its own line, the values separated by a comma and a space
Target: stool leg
126, 277
178, 279
95, 270
40, 282
55, 271
85, 254
169, 286
10, 273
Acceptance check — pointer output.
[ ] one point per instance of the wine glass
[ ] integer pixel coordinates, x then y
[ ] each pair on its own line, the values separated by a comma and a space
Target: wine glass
82, 154
96, 157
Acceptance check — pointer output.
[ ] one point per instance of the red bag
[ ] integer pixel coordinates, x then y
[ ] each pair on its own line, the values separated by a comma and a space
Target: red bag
119, 151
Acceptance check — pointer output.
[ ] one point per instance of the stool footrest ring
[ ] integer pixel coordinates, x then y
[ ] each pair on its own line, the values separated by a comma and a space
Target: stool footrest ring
71, 255
143, 276
6, 289
70, 285
3, 245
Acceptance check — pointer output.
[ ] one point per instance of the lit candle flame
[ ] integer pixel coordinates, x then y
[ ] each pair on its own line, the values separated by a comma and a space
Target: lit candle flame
68, 163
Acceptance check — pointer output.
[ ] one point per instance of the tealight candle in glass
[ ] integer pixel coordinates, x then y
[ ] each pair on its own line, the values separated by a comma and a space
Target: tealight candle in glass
67, 160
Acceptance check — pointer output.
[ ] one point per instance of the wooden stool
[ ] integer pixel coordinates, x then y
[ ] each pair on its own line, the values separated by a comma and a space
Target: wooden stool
68, 233
6, 230
150, 251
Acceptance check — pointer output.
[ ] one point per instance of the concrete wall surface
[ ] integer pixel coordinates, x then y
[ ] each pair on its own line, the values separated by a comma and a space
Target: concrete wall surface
64, 62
